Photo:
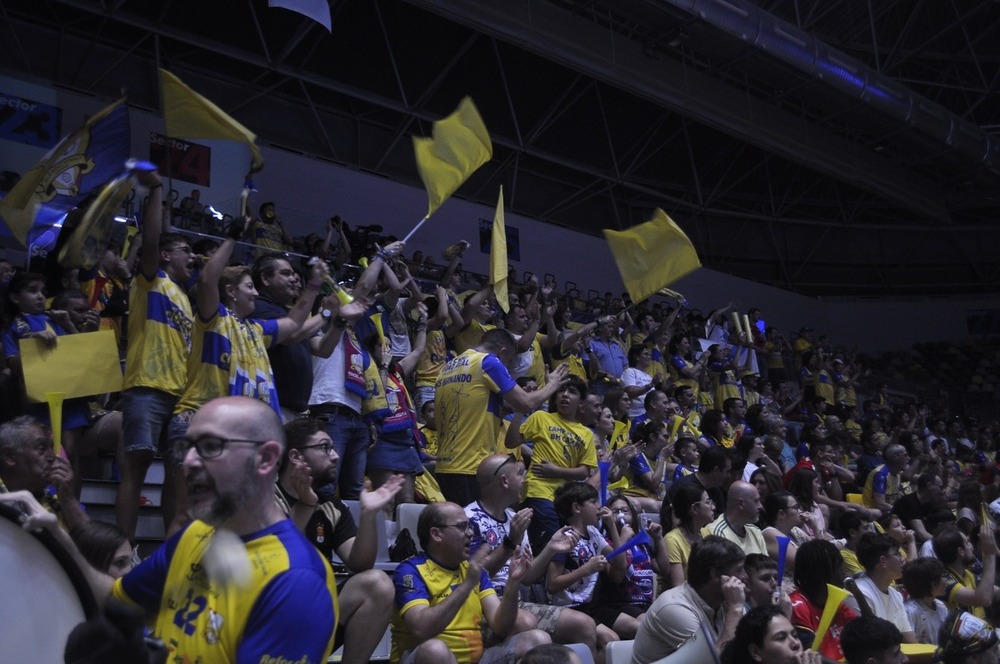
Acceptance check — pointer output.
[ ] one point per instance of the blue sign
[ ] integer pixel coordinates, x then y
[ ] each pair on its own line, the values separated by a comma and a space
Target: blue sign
29, 122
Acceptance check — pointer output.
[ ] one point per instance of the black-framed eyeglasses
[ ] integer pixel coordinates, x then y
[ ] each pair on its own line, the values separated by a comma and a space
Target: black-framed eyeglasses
510, 459
207, 447
325, 447
463, 526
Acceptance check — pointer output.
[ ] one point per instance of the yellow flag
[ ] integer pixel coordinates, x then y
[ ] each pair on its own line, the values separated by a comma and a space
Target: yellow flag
652, 255
498, 257
459, 146
189, 115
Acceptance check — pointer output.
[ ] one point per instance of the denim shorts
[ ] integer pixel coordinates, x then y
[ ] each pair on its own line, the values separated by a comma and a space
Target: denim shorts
178, 427
146, 413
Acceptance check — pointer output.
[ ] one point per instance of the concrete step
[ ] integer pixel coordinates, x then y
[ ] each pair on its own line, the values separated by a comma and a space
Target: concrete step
105, 492
149, 526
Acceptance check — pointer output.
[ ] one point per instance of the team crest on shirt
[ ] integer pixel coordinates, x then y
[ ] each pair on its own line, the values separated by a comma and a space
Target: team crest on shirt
214, 626
408, 581
492, 538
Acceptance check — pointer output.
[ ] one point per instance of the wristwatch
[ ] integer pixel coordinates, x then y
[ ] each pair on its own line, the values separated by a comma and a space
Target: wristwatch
326, 314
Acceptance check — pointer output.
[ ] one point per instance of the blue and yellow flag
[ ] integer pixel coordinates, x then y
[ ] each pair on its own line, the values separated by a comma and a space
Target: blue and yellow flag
459, 146
498, 257
652, 255
187, 114
73, 170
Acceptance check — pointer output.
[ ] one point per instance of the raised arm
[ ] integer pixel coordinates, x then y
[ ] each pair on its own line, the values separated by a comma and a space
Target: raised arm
208, 281
409, 363
290, 325
366, 282
152, 223
526, 402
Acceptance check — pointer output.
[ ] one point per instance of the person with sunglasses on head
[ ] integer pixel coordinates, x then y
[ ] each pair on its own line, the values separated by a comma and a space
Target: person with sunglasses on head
497, 527
259, 592
444, 595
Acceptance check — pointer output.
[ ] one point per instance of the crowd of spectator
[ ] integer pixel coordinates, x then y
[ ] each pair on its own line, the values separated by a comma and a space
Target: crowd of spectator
593, 472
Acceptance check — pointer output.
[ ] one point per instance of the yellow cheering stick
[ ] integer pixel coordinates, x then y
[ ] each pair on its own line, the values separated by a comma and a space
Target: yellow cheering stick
55, 401
834, 596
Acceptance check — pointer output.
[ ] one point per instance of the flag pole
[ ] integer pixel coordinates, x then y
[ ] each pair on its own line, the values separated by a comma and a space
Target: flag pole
415, 229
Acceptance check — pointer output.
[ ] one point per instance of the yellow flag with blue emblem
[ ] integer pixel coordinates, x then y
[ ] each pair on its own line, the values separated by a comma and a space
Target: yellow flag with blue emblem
652, 255
459, 145
187, 114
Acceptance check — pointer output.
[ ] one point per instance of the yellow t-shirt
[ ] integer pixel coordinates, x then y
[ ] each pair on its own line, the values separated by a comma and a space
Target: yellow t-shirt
561, 443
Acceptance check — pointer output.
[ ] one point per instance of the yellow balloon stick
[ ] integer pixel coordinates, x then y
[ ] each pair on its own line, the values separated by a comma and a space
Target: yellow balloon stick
834, 596
55, 401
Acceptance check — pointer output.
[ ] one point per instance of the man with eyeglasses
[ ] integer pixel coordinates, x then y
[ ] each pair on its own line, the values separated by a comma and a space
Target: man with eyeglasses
308, 465
443, 597
160, 323
269, 597
883, 563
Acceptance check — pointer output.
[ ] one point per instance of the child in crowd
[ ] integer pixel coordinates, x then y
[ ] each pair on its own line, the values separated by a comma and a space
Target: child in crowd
924, 581
762, 580
571, 579
30, 320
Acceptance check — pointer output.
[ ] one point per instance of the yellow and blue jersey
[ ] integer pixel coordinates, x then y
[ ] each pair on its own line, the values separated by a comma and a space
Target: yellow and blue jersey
882, 481
229, 358
159, 335
287, 612
469, 395
420, 581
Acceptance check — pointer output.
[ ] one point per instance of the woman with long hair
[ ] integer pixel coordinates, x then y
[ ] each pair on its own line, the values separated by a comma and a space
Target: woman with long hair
766, 636
804, 485
713, 428
642, 477
818, 565
693, 510
635, 593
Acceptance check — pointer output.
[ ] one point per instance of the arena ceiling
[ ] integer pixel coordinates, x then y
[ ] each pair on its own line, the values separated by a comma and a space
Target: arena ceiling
831, 148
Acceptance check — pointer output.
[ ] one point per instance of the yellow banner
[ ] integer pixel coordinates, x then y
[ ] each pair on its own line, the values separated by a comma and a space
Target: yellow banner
80, 365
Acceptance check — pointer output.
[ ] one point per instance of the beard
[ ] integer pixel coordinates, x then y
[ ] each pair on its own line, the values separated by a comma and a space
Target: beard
224, 504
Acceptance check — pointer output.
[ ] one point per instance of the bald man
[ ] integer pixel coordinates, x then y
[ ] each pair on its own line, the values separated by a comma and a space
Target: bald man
736, 524
882, 486
286, 608
497, 527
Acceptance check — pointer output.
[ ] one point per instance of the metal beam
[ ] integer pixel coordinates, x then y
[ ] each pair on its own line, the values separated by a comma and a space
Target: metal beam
563, 37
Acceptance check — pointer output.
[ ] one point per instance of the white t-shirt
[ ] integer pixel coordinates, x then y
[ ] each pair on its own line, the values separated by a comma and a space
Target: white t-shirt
328, 380
490, 532
582, 591
926, 622
636, 377
888, 606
